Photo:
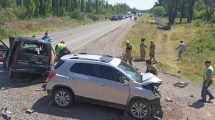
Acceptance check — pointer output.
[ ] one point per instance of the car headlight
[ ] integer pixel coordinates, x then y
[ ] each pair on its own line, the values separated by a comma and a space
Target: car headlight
153, 87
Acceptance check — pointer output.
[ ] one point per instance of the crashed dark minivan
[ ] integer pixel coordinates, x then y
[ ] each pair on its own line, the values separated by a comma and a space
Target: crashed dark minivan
26, 55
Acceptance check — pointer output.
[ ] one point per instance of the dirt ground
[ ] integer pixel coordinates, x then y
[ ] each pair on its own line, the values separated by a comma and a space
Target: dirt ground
17, 97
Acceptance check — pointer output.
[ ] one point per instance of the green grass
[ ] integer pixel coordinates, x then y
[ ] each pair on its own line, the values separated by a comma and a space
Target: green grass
199, 37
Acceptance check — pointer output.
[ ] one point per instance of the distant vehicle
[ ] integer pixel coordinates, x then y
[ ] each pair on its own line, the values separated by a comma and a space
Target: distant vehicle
120, 17
104, 80
26, 55
164, 27
114, 18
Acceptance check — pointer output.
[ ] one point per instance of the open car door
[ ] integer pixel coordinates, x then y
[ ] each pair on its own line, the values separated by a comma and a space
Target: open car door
11, 39
3, 51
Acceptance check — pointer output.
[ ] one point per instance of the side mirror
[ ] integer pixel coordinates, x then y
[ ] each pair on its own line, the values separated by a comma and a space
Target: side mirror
126, 83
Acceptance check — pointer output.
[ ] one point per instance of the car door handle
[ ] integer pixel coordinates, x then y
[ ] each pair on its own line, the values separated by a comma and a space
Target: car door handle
101, 84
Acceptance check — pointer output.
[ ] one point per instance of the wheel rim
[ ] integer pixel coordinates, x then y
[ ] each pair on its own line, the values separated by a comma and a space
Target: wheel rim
62, 98
139, 110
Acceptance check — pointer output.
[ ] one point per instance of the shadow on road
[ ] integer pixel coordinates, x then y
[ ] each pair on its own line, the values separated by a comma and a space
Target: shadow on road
197, 105
7, 83
81, 111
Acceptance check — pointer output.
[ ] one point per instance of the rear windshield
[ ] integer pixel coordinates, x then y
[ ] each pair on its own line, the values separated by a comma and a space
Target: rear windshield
58, 64
34, 48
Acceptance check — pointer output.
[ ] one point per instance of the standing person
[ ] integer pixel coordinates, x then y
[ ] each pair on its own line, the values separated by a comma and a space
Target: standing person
63, 52
143, 46
207, 81
58, 48
152, 52
128, 56
150, 68
46, 37
181, 48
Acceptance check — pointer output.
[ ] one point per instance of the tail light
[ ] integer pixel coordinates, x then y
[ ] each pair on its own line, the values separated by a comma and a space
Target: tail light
15, 57
51, 75
50, 60
16, 54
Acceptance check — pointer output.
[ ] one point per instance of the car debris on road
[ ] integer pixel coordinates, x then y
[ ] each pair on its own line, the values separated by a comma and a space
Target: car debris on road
5, 114
181, 84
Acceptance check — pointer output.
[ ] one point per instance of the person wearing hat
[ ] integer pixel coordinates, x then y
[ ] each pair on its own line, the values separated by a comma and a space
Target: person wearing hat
207, 81
152, 52
128, 56
58, 48
143, 46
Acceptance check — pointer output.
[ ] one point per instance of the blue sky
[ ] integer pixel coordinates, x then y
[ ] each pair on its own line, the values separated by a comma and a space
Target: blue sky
139, 4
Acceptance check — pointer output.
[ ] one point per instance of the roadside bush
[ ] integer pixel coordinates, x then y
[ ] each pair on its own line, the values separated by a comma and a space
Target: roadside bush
20, 12
78, 15
95, 17
7, 15
159, 11
197, 23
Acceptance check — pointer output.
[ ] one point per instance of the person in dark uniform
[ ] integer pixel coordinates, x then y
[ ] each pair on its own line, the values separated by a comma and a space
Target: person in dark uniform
150, 68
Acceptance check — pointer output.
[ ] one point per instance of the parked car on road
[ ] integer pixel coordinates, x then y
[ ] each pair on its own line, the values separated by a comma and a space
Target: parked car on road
104, 80
114, 18
26, 55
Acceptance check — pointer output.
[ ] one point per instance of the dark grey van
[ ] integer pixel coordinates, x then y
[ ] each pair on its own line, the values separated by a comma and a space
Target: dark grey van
26, 55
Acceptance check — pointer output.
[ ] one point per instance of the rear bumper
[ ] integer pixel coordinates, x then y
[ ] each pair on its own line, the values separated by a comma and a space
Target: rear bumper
30, 71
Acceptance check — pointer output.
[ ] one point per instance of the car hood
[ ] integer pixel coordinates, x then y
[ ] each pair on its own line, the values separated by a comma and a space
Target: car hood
148, 78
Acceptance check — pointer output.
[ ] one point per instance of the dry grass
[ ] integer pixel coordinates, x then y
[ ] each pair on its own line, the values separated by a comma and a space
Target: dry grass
40, 25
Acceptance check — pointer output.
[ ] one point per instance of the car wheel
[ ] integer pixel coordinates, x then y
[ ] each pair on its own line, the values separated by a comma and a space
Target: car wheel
11, 74
140, 109
63, 97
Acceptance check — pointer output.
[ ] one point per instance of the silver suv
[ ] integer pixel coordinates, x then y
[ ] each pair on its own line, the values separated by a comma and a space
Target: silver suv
107, 81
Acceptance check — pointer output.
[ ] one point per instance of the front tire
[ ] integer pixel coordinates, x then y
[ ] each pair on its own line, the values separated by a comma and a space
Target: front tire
63, 98
139, 109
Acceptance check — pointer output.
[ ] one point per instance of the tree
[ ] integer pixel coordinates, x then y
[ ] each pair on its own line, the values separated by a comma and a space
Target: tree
7, 3
190, 10
82, 5
172, 10
30, 8
210, 8
89, 6
159, 11
182, 9
97, 6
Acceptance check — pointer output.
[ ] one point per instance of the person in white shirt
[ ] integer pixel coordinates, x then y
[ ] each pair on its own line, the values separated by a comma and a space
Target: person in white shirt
181, 48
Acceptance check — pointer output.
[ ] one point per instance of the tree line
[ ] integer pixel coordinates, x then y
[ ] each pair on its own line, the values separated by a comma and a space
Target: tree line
23, 9
189, 9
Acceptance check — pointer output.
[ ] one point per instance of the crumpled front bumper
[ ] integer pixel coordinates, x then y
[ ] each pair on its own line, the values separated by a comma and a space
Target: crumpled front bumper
156, 109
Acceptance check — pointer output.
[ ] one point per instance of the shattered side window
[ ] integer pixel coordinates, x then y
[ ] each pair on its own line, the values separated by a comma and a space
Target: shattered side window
34, 48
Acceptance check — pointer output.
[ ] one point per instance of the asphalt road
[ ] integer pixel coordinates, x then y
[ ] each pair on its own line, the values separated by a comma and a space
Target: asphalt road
78, 37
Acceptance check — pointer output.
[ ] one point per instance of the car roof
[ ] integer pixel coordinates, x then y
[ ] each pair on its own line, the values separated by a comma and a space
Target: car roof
31, 39
93, 58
